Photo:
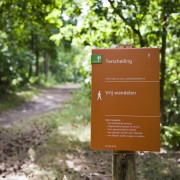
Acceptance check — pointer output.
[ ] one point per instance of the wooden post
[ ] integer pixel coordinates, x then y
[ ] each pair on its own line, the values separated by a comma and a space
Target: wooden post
123, 162
123, 166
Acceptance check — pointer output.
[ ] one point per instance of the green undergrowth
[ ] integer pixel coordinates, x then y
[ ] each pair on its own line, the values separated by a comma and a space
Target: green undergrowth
69, 136
74, 112
171, 136
10, 100
158, 166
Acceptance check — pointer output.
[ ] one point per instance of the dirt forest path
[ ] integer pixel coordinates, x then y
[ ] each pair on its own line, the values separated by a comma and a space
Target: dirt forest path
48, 99
18, 143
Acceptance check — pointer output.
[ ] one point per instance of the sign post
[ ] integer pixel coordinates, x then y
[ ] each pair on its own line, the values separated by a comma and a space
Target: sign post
123, 165
125, 108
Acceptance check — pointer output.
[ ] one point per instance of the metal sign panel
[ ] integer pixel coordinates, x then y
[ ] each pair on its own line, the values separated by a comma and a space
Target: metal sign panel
125, 101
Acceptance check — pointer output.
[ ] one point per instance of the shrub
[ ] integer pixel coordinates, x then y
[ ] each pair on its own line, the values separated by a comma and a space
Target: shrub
171, 136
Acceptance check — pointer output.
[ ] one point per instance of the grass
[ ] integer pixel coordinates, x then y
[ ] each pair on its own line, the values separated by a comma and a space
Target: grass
160, 166
12, 99
69, 137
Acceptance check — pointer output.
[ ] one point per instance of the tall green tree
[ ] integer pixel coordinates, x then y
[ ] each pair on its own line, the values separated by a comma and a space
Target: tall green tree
103, 23
25, 32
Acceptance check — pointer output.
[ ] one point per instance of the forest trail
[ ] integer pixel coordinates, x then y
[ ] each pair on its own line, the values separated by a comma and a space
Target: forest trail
20, 138
48, 99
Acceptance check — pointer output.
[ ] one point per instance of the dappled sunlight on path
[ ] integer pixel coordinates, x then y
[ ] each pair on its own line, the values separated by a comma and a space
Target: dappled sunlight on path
48, 99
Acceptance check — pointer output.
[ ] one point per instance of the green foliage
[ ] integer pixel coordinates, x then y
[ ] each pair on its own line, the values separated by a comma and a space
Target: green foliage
14, 66
78, 109
46, 81
171, 136
62, 64
172, 83
69, 64
19, 42
27, 55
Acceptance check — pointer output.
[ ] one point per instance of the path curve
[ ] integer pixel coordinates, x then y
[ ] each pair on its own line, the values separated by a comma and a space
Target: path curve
48, 99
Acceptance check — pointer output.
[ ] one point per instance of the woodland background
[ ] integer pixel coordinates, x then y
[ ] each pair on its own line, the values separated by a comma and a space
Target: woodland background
48, 42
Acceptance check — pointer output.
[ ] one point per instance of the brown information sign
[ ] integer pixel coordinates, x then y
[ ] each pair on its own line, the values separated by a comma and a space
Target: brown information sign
125, 105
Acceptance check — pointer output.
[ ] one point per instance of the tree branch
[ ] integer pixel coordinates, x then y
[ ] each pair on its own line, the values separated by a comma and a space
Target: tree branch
132, 26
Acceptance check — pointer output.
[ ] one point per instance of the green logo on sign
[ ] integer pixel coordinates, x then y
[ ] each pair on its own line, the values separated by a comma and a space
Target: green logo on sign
96, 59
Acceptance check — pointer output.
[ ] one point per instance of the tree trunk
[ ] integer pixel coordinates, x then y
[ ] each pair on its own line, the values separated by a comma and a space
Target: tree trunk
163, 70
37, 62
46, 65
30, 71
32, 49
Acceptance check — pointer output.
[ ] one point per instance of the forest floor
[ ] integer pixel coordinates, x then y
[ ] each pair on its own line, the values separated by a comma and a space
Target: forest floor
47, 100
32, 147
